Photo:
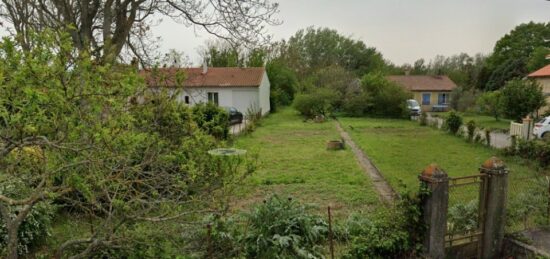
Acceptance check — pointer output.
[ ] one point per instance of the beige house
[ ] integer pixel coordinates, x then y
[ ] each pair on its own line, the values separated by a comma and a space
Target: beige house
433, 93
542, 76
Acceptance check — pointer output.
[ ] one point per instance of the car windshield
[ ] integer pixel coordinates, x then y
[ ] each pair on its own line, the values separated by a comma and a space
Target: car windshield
412, 103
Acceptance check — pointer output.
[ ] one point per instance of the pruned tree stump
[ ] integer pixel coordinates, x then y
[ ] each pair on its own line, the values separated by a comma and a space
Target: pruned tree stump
335, 145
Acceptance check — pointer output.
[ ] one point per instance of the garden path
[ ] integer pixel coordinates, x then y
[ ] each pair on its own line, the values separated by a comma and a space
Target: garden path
385, 191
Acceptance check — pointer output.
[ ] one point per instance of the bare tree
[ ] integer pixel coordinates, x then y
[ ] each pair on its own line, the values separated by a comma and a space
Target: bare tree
109, 29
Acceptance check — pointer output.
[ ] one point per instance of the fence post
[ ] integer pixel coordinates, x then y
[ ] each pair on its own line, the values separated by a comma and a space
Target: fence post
526, 130
434, 208
494, 207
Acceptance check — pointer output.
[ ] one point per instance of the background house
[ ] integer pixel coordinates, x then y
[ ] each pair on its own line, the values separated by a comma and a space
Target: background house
242, 88
431, 92
542, 76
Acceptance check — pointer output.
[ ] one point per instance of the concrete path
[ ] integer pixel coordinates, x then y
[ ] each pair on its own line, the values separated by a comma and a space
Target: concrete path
385, 192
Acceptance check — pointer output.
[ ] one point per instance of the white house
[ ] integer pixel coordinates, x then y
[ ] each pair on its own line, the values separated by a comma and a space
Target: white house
242, 88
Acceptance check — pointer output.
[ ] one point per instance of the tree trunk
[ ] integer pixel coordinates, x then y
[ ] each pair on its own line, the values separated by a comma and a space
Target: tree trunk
12, 241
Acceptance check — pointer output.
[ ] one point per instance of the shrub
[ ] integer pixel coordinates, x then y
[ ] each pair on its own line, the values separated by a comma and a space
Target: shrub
536, 150
282, 228
33, 230
211, 119
463, 217
397, 234
471, 127
521, 97
463, 99
319, 102
453, 122
379, 97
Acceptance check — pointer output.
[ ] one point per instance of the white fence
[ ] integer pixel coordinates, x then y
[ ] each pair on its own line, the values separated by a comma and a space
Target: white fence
516, 129
522, 130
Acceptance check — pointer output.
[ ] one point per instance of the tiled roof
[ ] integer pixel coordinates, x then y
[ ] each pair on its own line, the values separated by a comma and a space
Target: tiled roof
214, 77
543, 72
424, 83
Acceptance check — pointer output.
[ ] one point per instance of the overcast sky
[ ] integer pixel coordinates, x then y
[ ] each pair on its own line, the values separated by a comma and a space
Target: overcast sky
403, 30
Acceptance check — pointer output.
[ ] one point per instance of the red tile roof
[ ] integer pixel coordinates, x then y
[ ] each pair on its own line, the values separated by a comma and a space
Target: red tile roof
214, 77
424, 83
543, 72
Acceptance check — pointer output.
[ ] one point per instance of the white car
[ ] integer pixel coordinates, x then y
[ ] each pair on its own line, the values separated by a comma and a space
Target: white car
542, 128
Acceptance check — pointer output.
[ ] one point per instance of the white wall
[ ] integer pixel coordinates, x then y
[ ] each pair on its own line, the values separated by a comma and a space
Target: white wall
241, 98
265, 89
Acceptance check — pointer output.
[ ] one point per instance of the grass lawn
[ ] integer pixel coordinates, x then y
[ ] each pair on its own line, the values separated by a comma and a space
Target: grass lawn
402, 149
483, 121
294, 162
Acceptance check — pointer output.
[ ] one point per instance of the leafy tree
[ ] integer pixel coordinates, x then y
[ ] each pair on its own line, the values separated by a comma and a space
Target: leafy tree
387, 98
312, 49
521, 97
453, 122
319, 102
108, 28
284, 83
538, 59
511, 54
491, 103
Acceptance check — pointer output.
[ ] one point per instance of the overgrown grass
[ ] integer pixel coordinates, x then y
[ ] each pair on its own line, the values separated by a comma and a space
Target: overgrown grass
402, 149
483, 121
293, 161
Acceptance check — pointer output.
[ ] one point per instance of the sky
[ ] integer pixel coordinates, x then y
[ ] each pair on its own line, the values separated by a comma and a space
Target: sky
402, 30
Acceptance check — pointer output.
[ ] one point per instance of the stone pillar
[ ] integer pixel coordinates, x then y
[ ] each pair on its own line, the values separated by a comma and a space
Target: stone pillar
527, 128
494, 211
434, 208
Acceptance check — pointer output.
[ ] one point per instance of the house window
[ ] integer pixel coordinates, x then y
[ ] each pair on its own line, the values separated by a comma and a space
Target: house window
426, 98
443, 98
213, 97
186, 99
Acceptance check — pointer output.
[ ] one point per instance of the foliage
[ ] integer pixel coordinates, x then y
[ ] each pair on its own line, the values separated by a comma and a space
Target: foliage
284, 84
536, 150
423, 120
34, 229
212, 119
318, 102
336, 78
312, 49
380, 98
463, 99
529, 205
393, 235
538, 59
511, 54
453, 122
520, 98
491, 103
463, 218
282, 228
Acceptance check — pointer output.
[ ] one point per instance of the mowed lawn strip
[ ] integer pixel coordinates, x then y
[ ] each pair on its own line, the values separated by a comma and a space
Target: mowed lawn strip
482, 121
401, 149
294, 162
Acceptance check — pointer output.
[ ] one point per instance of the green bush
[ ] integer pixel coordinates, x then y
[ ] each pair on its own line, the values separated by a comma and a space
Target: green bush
463, 217
536, 150
282, 228
395, 234
212, 119
423, 120
453, 122
520, 98
379, 97
319, 102
33, 230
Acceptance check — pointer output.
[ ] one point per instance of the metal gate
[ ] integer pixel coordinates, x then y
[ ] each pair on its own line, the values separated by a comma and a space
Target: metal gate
466, 211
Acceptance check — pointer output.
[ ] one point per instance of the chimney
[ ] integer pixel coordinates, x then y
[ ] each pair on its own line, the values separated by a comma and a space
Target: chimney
204, 67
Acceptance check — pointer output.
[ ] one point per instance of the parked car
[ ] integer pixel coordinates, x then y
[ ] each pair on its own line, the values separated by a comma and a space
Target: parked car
414, 107
542, 128
235, 116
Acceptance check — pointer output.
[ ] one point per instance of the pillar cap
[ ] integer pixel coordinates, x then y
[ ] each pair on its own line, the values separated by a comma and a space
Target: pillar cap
493, 163
433, 171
